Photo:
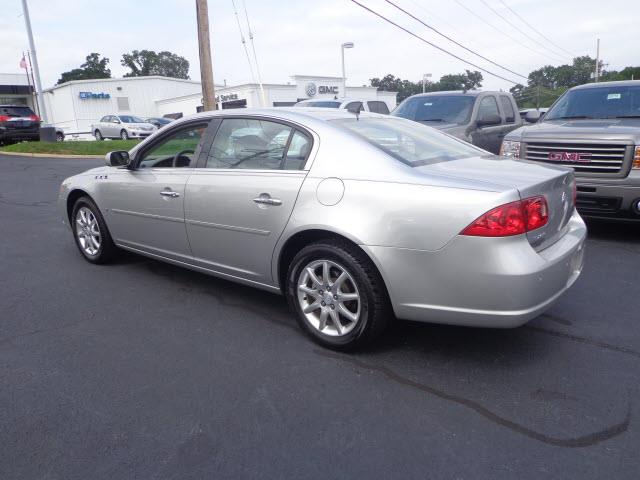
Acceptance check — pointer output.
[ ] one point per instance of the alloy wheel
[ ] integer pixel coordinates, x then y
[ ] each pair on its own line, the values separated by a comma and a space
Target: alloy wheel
328, 297
88, 231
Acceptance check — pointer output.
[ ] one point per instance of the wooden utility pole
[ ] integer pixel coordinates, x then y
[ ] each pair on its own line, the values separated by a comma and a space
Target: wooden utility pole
204, 48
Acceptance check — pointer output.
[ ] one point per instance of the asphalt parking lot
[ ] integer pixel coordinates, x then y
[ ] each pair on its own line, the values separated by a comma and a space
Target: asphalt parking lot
144, 370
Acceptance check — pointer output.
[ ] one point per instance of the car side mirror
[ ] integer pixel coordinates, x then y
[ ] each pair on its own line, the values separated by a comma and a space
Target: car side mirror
119, 158
355, 109
116, 121
532, 116
490, 119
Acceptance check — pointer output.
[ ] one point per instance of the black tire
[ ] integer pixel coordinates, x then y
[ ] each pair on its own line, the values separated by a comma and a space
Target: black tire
107, 250
124, 135
59, 137
98, 135
375, 307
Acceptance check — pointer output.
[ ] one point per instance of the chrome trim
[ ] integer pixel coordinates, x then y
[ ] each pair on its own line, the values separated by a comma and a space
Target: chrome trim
147, 215
254, 231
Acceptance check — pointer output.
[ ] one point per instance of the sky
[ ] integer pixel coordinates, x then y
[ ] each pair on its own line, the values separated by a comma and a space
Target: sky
304, 36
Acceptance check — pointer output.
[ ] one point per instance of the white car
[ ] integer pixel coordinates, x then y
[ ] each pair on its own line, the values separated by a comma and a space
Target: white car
375, 106
122, 126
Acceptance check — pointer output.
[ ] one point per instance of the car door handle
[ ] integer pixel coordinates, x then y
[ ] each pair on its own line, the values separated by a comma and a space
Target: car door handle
265, 199
169, 193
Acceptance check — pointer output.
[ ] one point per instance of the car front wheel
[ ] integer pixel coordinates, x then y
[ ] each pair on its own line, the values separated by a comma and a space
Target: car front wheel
338, 295
90, 232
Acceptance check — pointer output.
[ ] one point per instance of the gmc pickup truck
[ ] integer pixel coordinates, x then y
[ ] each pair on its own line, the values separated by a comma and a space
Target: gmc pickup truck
594, 129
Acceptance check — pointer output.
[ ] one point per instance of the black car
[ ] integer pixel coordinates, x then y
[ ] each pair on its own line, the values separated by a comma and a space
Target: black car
18, 122
158, 121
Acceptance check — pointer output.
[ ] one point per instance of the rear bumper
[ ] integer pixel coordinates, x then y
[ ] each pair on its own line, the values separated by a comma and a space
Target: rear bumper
615, 200
482, 282
16, 134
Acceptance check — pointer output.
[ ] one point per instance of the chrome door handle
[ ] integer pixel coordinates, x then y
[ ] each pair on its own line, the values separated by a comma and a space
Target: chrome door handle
169, 193
267, 200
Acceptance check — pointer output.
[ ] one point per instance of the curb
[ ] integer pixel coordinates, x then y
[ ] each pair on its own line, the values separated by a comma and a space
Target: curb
47, 155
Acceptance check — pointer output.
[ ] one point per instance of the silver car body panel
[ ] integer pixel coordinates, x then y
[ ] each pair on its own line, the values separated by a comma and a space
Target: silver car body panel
406, 219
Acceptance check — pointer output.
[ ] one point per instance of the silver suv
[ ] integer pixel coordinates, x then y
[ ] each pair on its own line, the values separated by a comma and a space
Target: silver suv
594, 129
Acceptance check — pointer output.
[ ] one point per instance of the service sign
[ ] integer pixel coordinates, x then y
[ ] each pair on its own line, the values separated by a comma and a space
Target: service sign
91, 95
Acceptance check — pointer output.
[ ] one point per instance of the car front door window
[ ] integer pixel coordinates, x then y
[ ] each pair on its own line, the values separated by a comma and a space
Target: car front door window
176, 150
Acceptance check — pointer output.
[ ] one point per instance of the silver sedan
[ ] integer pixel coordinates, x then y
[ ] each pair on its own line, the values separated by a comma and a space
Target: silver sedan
356, 219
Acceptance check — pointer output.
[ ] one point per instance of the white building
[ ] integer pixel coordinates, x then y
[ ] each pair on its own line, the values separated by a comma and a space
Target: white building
16, 90
75, 105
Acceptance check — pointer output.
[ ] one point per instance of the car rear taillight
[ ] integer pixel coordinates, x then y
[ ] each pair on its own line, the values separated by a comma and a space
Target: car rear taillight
510, 219
34, 117
4, 118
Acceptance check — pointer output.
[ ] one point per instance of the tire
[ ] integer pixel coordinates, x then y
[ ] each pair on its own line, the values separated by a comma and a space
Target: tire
372, 309
124, 135
59, 137
98, 135
106, 250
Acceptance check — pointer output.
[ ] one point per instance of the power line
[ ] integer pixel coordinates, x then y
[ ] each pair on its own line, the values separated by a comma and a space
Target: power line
520, 30
432, 44
244, 42
454, 41
502, 32
535, 29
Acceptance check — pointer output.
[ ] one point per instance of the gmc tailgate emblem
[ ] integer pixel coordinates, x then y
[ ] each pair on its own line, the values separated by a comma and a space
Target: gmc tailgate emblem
570, 157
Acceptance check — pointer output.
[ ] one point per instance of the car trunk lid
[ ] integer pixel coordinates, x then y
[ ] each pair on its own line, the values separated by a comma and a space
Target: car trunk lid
529, 178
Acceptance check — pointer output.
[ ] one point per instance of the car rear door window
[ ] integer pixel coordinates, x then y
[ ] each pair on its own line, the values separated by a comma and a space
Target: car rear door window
353, 105
507, 106
243, 143
377, 106
298, 151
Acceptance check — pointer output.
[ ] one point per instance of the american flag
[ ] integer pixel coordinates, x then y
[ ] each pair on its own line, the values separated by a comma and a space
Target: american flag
23, 63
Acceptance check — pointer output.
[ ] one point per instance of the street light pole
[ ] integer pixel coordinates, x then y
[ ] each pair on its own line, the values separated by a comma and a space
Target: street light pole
35, 68
596, 74
424, 81
204, 48
344, 77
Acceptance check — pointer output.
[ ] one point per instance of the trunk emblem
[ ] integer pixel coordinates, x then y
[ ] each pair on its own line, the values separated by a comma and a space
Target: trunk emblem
577, 157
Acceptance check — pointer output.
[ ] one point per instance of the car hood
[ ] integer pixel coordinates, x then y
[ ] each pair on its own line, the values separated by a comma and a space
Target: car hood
623, 129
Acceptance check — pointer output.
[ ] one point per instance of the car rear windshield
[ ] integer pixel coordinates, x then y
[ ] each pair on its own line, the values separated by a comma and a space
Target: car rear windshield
16, 111
131, 119
437, 108
597, 102
410, 142
319, 103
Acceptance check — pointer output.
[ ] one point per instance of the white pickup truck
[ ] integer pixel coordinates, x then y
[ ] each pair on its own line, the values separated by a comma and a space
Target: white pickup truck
121, 126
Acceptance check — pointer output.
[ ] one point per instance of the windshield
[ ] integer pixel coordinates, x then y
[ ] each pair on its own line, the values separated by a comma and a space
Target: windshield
130, 119
319, 103
437, 108
597, 102
410, 142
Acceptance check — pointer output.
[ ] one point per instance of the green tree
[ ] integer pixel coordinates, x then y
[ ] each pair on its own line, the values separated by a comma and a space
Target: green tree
462, 81
405, 88
144, 63
93, 67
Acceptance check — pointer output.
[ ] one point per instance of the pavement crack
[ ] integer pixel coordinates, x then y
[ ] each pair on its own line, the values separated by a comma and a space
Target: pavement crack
586, 341
571, 442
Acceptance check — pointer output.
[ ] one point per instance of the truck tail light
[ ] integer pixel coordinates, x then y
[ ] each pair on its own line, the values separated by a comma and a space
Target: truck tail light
510, 219
636, 158
4, 118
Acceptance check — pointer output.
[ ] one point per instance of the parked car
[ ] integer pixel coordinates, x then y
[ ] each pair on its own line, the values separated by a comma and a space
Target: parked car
375, 106
17, 123
355, 219
535, 115
595, 130
121, 126
480, 118
158, 122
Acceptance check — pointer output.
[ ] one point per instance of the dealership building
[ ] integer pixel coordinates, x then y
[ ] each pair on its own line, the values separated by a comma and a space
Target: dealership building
75, 105
15, 89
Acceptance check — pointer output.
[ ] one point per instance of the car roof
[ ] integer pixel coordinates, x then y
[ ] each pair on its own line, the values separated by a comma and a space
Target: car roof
468, 93
619, 83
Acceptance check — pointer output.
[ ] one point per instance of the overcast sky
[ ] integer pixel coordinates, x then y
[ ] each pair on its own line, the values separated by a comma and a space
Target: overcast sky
304, 36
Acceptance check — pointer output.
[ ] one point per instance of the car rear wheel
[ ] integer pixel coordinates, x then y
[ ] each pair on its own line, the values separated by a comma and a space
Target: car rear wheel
98, 135
338, 295
90, 232
59, 137
124, 135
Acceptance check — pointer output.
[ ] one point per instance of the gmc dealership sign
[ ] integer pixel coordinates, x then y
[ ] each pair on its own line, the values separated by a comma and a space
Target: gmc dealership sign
311, 89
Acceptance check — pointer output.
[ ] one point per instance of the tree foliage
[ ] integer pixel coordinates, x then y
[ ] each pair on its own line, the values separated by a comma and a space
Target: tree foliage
405, 88
144, 63
93, 67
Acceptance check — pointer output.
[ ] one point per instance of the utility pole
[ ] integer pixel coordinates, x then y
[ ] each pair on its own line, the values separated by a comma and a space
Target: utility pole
204, 48
424, 81
35, 69
597, 71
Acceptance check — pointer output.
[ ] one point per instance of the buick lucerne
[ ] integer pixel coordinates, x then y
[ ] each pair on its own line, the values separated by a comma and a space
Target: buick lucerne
356, 219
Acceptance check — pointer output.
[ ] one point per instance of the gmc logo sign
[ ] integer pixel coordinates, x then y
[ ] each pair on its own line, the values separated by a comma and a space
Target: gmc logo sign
570, 157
